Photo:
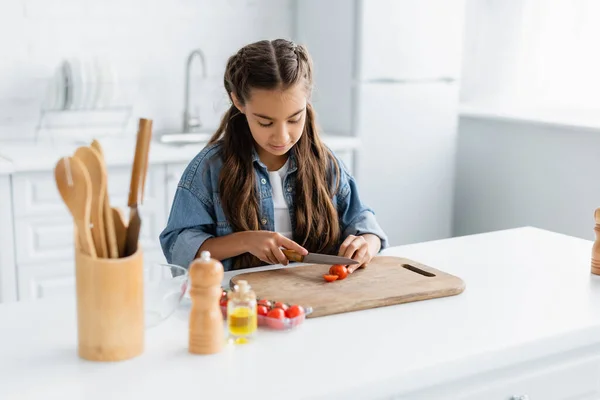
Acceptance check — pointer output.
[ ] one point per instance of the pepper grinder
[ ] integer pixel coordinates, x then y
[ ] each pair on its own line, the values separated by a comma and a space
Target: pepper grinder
206, 333
596, 246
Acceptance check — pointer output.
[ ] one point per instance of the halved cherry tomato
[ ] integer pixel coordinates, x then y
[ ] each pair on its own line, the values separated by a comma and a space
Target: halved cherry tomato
262, 310
280, 305
265, 303
330, 278
294, 311
340, 270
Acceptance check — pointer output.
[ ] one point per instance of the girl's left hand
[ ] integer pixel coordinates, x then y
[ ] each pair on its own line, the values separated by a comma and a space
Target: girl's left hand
360, 248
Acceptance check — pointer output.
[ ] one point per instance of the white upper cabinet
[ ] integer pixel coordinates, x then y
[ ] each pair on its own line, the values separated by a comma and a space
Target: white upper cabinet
408, 39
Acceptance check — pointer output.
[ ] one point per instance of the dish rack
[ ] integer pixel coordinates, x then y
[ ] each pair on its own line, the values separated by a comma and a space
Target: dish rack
84, 95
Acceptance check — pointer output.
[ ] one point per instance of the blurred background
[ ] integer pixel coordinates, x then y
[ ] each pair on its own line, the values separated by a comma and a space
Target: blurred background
456, 116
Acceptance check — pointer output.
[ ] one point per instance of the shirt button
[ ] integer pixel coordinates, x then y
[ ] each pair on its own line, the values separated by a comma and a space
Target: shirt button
264, 221
263, 181
289, 189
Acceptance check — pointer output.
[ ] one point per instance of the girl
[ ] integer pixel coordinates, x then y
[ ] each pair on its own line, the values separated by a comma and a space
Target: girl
265, 180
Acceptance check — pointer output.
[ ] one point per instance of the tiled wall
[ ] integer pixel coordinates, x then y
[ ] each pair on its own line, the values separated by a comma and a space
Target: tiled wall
146, 40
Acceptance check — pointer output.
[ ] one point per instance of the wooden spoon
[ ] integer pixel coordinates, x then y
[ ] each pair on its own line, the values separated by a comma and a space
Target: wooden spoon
92, 162
73, 183
109, 224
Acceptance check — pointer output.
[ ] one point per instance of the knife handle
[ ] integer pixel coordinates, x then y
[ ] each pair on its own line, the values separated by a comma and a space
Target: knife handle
140, 160
292, 255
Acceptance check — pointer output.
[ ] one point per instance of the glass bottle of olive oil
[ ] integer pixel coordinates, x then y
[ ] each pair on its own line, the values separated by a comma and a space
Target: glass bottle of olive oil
241, 313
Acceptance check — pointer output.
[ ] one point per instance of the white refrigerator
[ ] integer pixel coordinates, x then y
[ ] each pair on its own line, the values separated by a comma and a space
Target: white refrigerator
400, 61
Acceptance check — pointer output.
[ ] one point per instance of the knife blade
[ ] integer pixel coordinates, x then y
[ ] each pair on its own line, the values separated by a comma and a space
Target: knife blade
318, 258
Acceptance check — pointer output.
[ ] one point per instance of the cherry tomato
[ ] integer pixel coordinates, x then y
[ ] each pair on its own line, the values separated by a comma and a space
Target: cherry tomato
265, 303
276, 313
223, 301
294, 311
275, 318
330, 278
262, 310
280, 305
340, 270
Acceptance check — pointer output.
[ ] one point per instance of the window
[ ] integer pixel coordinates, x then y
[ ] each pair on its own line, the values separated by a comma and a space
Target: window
533, 53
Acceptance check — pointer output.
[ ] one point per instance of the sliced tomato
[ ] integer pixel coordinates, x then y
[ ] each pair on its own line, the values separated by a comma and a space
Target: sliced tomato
330, 278
340, 270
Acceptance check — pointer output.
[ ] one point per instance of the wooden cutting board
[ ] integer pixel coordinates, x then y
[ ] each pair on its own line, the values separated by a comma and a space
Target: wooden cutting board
386, 281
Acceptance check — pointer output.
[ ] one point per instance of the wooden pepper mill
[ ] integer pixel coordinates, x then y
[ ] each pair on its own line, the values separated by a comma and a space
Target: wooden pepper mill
206, 332
596, 246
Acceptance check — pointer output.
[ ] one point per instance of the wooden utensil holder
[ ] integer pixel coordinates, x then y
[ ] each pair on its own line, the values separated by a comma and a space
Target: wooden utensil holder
110, 306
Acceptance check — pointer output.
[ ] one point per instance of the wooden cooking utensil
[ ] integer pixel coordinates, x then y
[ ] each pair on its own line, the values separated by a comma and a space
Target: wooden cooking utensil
138, 176
93, 164
120, 230
73, 183
109, 225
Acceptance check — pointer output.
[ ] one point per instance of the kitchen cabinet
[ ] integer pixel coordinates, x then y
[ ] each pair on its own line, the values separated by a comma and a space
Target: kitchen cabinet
562, 377
43, 228
8, 289
174, 173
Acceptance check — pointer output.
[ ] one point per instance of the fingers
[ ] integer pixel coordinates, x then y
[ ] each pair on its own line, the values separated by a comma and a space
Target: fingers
272, 259
345, 244
360, 257
353, 246
291, 245
279, 256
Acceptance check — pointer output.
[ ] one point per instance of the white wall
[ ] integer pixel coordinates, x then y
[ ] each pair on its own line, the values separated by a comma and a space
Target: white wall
147, 40
512, 174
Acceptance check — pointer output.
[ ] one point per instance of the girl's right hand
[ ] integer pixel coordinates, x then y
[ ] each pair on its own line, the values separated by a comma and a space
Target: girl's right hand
267, 245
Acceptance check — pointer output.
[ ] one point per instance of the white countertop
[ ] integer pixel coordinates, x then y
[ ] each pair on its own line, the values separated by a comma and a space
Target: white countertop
558, 116
29, 156
529, 294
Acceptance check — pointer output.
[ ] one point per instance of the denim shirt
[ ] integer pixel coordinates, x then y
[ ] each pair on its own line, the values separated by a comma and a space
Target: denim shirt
196, 213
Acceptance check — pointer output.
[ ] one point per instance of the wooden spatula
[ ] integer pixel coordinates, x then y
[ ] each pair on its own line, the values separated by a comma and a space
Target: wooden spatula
73, 183
93, 164
138, 177
109, 224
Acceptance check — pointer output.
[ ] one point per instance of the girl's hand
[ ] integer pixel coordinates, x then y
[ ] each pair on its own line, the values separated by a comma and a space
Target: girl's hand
360, 248
267, 245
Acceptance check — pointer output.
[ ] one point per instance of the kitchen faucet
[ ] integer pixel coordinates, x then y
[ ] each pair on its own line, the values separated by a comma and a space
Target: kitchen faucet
190, 122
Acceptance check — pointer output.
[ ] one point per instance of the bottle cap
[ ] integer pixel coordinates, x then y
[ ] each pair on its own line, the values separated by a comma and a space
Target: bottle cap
205, 256
242, 286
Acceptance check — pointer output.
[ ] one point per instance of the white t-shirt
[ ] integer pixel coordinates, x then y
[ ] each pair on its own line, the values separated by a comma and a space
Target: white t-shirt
283, 223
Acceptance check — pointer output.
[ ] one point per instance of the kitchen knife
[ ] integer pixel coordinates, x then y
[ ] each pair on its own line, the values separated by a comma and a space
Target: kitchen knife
138, 177
317, 258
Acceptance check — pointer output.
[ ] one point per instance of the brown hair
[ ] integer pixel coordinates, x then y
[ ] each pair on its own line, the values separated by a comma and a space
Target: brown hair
277, 64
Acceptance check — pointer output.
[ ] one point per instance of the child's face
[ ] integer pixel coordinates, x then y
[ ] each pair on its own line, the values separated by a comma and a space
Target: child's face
276, 119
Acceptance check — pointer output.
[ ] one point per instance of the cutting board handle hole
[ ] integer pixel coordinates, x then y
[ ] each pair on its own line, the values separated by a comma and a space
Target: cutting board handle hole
418, 270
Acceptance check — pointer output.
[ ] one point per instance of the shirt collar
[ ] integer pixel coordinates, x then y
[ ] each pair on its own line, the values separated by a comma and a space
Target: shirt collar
293, 165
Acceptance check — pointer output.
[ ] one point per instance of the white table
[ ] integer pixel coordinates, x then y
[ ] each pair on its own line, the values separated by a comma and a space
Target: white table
528, 323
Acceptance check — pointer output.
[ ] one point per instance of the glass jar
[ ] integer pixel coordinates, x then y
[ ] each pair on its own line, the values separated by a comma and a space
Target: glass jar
241, 313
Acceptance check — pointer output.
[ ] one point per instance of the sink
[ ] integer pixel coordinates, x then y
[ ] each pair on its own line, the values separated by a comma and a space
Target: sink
182, 139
